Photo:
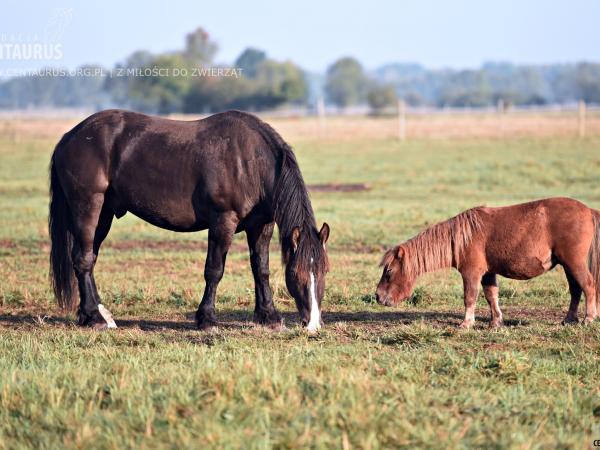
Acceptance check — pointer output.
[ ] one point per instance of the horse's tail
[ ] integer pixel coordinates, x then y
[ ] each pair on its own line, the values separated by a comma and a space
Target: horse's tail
59, 227
594, 253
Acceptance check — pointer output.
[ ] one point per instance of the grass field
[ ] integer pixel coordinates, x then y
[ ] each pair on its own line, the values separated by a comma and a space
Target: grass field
373, 378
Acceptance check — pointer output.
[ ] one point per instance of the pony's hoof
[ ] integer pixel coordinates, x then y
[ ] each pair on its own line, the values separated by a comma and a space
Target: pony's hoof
99, 326
496, 324
271, 319
206, 320
588, 320
466, 325
99, 320
207, 325
570, 321
277, 326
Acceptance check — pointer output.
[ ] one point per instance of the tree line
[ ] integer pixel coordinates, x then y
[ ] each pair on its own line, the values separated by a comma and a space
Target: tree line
174, 82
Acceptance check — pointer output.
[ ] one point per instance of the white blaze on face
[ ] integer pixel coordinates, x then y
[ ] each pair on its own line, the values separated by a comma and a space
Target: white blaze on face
315, 315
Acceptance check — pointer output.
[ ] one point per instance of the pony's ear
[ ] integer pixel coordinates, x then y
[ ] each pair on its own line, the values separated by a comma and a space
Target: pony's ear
295, 238
324, 233
400, 252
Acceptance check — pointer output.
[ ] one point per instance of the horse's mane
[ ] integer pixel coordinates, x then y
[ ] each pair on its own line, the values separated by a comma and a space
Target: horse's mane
291, 202
440, 245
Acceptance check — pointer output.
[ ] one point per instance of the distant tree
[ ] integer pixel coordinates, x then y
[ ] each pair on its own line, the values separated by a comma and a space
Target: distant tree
212, 94
466, 88
249, 61
63, 91
199, 50
275, 83
118, 87
160, 92
381, 97
279, 83
413, 98
346, 82
587, 81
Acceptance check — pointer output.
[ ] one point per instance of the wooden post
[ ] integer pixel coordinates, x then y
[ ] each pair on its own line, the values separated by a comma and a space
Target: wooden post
501, 112
582, 110
401, 120
321, 114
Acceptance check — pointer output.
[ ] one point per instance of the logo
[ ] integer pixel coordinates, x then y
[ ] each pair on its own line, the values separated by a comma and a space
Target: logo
42, 46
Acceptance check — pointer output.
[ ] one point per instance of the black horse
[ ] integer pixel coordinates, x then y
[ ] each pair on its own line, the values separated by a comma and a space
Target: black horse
227, 173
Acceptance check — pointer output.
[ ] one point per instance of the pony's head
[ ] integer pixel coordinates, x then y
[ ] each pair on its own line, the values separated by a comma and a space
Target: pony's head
306, 266
396, 283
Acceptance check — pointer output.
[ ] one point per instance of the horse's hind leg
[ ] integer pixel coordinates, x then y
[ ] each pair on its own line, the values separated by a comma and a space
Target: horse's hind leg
490, 290
585, 280
104, 224
575, 291
220, 235
258, 244
87, 221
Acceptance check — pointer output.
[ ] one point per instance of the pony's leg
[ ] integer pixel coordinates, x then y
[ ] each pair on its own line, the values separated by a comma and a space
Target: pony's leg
584, 278
471, 291
104, 224
220, 235
258, 244
575, 291
85, 224
490, 290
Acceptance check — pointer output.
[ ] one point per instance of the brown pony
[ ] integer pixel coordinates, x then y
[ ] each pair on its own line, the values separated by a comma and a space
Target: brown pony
519, 242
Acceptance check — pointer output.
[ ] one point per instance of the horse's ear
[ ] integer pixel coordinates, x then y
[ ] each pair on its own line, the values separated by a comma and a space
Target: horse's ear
295, 238
324, 233
400, 252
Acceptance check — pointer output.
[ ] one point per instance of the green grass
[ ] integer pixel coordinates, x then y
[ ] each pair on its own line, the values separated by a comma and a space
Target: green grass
373, 378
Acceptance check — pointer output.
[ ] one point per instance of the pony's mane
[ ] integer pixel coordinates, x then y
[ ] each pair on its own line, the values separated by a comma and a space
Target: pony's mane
440, 245
291, 202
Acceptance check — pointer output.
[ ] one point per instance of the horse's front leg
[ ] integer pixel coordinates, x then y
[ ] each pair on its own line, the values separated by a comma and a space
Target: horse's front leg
490, 290
471, 291
259, 238
220, 235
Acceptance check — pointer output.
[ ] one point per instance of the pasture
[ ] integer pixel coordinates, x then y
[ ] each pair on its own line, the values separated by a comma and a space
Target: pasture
374, 377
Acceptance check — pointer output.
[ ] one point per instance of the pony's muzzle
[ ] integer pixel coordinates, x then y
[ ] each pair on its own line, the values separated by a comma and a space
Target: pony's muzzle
384, 300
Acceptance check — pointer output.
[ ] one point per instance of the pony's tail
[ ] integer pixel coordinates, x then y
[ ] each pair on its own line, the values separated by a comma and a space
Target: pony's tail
59, 227
594, 254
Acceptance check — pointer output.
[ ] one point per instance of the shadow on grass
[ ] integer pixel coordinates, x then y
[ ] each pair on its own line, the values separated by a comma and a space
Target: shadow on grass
239, 319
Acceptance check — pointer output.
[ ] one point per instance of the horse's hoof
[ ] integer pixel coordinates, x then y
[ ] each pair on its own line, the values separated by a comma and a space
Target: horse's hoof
570, 321
272, 320
588, 320
496, 324
278, 326
466, 325
207, 325
99, 326
101, 319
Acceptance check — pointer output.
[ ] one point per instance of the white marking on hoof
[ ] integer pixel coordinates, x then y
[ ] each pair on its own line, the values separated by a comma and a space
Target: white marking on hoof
315, 315
107, 316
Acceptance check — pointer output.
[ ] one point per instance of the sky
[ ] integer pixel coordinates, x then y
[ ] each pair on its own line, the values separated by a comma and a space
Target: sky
437, 34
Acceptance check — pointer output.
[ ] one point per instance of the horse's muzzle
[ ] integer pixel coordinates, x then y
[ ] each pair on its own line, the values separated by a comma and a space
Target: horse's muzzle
384, 300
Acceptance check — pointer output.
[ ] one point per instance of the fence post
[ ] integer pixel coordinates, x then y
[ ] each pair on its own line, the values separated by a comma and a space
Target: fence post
582, 111
401, 120
501, 120
321, 115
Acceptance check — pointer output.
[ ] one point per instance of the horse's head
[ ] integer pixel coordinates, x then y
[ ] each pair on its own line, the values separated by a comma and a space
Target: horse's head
305, 271
396, 283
